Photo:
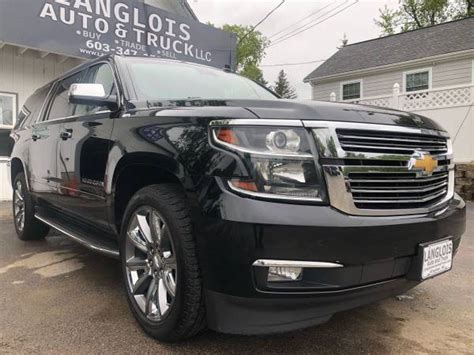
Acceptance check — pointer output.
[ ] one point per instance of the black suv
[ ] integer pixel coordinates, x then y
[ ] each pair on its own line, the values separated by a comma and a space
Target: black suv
228, 206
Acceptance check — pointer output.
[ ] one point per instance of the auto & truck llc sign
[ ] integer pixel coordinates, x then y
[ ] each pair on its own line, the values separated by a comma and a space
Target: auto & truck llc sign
90, 28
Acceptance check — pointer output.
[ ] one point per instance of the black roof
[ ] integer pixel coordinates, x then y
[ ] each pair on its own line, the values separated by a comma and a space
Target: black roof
449, 37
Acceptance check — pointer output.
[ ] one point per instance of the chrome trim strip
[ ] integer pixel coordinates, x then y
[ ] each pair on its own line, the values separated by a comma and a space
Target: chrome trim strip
95, 247
256, 122
390, 139
428, 179
347, 169
440, 212
398, 200
373, 127
293, 263
273, 197
398, 189
380, 156
72, 117
358, 146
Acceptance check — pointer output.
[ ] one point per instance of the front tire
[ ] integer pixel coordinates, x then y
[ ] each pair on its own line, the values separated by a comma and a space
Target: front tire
26, 225
160, 266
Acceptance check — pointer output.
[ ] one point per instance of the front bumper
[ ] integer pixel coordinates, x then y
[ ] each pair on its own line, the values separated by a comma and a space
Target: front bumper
378, 254
240, 315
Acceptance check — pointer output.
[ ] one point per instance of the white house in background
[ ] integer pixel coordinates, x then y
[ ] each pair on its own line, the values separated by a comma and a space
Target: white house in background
429, 71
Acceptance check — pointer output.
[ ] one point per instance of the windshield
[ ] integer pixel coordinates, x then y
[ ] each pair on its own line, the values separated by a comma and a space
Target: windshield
160, 80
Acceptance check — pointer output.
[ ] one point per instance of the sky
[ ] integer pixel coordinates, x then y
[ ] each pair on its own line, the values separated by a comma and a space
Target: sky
317, 43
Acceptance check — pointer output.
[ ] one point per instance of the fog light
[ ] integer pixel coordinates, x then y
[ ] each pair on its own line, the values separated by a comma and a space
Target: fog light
279, 273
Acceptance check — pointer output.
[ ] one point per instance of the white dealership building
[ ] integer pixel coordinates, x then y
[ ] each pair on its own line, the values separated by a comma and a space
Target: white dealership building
54, 36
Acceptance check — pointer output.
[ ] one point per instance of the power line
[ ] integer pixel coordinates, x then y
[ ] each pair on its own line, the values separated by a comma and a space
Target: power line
311, 22
299, 21
269, 14
462, 123
282, 39
262, 20
289, 64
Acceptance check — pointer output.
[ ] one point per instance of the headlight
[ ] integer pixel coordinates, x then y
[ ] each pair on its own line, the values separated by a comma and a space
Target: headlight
280, 160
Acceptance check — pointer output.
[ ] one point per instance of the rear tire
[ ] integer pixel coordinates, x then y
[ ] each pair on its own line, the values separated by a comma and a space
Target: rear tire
160, 266
26, 225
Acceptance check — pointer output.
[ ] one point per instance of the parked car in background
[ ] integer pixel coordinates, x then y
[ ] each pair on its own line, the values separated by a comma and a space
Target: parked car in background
227, 206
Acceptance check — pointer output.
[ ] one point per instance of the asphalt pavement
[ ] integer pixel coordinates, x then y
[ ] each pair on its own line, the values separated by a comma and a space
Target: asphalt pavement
58, 298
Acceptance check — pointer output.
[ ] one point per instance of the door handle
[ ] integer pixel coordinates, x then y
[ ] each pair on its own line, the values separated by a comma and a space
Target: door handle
35, 137
66, 134
94, 124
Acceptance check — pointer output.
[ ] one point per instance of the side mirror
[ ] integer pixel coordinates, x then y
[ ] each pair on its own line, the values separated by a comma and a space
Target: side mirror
93, 95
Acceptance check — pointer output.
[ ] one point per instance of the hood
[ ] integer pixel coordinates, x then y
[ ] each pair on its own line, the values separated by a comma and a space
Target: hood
292, 109
332, 111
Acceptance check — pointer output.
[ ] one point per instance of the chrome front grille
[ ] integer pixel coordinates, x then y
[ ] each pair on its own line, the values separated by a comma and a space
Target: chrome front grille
397, 191
354, 140
368, 172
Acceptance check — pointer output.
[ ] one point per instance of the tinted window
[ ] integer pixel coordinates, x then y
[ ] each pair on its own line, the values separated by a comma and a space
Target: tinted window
23, 116
61, 107
31, 109
173, 81
98, 74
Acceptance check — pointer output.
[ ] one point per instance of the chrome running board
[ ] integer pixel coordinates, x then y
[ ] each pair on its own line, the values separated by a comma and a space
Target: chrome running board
105, 247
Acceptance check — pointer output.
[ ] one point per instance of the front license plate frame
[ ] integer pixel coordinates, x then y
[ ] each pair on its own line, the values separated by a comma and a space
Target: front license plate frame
437, 258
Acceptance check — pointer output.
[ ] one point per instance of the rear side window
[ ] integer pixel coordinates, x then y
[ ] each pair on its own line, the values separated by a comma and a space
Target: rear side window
31, 110
60, 106
23, 116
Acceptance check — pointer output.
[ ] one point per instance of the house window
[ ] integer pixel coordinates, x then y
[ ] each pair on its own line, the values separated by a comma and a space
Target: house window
418, 80
8, 106
351, 91
7, 109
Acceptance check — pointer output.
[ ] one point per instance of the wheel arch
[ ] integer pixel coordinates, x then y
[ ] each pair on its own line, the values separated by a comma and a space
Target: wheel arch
17, 166
137, 170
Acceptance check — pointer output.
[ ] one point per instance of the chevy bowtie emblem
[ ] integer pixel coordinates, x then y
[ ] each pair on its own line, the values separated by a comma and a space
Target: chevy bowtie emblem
422, 161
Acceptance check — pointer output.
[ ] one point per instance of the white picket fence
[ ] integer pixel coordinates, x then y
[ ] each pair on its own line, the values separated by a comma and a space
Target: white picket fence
448, 96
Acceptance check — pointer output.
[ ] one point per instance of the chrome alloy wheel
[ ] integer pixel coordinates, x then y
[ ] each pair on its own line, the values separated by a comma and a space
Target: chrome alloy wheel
150, 263
19, 206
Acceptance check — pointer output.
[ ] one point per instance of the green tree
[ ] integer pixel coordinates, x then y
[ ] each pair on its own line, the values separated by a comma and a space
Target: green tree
251, 46
283, 88
415, 14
